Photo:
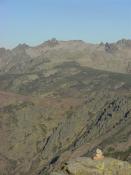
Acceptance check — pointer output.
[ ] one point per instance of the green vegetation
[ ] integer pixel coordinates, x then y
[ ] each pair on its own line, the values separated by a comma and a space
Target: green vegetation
122, 155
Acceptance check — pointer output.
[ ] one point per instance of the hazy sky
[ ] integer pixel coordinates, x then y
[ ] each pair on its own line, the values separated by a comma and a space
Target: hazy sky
34, 21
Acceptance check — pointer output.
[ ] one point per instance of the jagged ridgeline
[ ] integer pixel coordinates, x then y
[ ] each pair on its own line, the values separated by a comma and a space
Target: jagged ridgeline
62, 100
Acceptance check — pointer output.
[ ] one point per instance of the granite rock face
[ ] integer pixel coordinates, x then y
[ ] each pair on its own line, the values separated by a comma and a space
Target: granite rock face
87, 166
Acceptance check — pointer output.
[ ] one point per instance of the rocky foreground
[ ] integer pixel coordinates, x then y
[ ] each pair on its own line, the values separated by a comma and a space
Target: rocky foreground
88, 166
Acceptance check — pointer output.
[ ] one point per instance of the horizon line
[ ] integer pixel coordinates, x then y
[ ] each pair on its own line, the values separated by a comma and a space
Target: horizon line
62, 40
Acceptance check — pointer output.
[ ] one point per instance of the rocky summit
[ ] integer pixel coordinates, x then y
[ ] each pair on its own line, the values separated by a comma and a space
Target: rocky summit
61, 101
86, 166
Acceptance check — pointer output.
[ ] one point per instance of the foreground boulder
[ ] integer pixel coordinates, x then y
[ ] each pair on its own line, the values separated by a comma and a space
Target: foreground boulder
87, 166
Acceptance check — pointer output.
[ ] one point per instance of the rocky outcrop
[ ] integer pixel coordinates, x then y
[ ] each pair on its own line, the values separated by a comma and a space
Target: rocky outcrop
110, 48
124, 43
87, 166
82, 132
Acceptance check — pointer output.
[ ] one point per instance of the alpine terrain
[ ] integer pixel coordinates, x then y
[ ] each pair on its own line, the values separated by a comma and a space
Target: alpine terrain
59, 102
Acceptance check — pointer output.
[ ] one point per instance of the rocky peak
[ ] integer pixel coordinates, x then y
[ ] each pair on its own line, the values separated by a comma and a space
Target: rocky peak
2, 52
101, 44
20, 49
110, 47
51, 43
124, 43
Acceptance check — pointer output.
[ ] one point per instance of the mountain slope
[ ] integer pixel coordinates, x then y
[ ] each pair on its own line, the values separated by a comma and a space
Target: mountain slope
55, 105
45, 57
87, 166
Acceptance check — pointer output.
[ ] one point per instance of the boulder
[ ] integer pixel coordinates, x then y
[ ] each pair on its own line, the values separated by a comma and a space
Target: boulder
88, 166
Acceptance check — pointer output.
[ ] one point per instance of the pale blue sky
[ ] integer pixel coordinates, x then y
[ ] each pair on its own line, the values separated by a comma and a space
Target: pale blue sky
34, 21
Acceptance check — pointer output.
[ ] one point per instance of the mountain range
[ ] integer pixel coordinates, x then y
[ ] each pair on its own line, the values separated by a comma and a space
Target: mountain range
61, 100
